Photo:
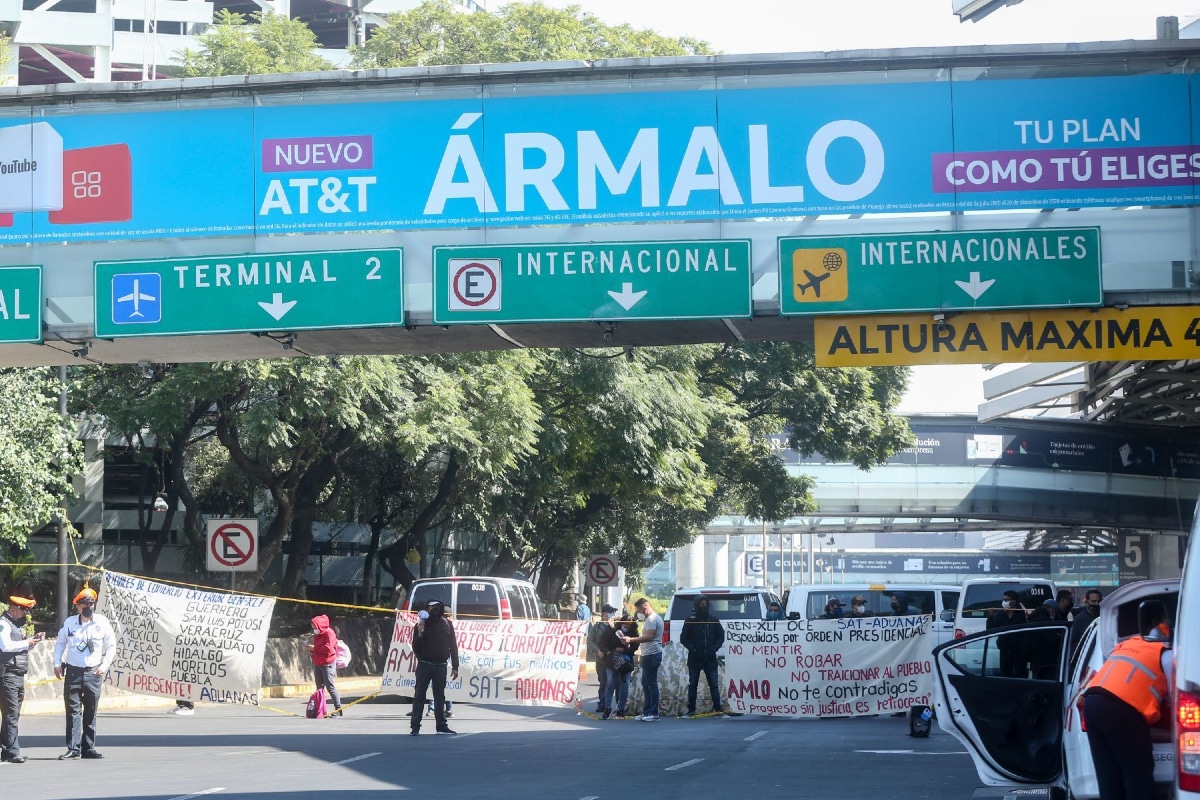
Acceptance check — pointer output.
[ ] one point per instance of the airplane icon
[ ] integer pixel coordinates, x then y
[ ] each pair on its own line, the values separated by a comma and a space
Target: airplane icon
137, 296
813, 282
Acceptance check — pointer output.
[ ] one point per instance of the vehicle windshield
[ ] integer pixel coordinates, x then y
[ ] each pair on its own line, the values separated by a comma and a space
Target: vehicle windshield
721, 606
982, 599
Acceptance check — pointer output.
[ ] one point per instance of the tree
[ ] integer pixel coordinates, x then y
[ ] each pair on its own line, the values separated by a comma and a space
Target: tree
38, 453
435, 33
6, 55
163, 416
272, 43
472, 419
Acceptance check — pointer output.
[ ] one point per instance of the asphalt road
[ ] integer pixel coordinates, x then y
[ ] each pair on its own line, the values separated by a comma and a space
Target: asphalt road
238, 753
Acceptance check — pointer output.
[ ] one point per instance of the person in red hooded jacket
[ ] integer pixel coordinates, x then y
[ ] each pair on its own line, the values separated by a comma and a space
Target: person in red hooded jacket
324, 653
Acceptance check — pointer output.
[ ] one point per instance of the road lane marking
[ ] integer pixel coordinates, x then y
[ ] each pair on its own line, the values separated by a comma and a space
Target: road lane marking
356, 758
684, 764
199, 794
913, 752
754, 736
543, 716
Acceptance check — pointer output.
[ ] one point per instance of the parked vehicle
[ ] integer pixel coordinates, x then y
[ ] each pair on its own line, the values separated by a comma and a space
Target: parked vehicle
1186, 692
1029, 729
981, 597
477, 597
808, 601
725, 603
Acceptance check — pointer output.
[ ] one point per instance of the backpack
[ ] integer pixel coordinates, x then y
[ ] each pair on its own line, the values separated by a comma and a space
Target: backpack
316, 705
343, 655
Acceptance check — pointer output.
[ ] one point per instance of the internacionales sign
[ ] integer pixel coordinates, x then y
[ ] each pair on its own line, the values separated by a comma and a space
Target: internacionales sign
940, 271
1107, 334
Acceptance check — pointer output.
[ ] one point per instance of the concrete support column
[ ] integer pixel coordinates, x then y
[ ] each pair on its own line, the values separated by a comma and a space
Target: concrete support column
716, 552
689, 564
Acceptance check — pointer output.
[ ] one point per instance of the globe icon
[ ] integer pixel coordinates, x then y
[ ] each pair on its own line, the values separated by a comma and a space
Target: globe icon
832, 262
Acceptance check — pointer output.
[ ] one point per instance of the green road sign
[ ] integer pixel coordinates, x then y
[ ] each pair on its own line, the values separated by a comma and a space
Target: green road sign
940, 271
20, 304
249, 293
592, 281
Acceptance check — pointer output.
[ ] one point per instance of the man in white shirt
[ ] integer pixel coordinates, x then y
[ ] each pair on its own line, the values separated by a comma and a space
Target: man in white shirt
84, 651
14, 663
650, 655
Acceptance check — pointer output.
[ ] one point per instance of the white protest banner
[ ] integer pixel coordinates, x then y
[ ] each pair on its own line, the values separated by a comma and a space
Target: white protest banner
511, 662
187, 644
827, 668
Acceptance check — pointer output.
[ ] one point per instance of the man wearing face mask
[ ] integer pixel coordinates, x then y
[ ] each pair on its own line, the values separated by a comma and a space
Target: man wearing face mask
858, 606
1085, 615
833, 609
84, 651
1012, 660
14, 663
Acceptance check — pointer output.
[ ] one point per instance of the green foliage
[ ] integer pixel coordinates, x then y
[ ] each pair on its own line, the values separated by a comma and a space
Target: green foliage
6, 56
435, 33
38, 452
271, 43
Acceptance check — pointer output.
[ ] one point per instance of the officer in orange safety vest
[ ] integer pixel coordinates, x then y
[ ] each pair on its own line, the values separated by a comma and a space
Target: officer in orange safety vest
1121, 701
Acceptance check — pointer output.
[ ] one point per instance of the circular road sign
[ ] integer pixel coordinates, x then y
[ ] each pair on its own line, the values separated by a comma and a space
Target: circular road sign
231, 545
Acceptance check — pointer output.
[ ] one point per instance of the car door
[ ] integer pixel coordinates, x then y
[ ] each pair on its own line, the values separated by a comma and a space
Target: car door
943, 621
1011, 724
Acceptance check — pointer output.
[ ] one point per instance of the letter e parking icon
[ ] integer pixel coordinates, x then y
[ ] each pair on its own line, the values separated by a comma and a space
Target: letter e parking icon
474, 284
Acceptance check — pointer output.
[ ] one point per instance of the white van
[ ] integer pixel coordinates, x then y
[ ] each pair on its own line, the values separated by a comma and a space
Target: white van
981, 597
476, 597
724, 603
1186, 694
807, 601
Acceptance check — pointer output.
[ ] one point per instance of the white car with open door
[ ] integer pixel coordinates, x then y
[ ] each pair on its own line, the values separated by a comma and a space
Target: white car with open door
1025, 728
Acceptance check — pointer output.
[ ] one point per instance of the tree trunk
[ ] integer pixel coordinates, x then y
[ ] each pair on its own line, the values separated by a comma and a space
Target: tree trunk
302, 541
368, 582
551, 580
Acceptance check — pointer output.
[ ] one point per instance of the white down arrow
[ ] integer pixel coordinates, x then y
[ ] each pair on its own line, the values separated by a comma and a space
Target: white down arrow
975, 287
277, 308
627, 297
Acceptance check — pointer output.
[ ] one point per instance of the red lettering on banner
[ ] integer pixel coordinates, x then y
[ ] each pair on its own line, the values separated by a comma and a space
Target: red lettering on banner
542, 689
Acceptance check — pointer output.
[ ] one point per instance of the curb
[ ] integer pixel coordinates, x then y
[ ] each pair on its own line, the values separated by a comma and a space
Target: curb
365, 684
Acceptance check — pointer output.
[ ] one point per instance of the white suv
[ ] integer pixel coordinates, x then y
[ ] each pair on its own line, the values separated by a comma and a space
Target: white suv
476, 597
1029, 729
724, 603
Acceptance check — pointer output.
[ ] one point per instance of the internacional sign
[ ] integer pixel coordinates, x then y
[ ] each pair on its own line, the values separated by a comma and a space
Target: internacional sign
593, 281
940, 271
249, 293
1150, 333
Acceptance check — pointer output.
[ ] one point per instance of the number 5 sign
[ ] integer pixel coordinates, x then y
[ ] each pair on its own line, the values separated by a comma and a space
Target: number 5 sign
232, 545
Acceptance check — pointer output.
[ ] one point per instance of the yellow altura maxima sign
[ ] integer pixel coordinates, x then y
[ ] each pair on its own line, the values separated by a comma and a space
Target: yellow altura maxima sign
1105, 334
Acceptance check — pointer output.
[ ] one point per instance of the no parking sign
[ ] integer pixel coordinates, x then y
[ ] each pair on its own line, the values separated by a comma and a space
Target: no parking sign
232, 545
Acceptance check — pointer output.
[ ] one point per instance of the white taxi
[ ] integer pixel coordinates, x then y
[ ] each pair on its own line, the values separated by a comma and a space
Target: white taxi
1026, 729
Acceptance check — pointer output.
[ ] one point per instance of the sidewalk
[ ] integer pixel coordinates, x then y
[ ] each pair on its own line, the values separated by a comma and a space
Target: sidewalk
353, 686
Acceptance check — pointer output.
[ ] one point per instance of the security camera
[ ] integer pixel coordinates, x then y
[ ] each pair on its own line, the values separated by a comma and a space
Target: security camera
160, 503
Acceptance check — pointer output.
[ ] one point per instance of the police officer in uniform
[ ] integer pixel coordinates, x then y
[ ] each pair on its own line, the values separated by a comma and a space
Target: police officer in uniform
14, 663
1121, 701
85, 648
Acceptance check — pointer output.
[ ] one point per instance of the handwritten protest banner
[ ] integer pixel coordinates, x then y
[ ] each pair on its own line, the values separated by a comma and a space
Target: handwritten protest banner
509, 662
185, 643
828, 668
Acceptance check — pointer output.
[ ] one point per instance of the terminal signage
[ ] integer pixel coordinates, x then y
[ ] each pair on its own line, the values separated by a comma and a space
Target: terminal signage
20, 304
940, 271
1150, 333
592, 281
249, 293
